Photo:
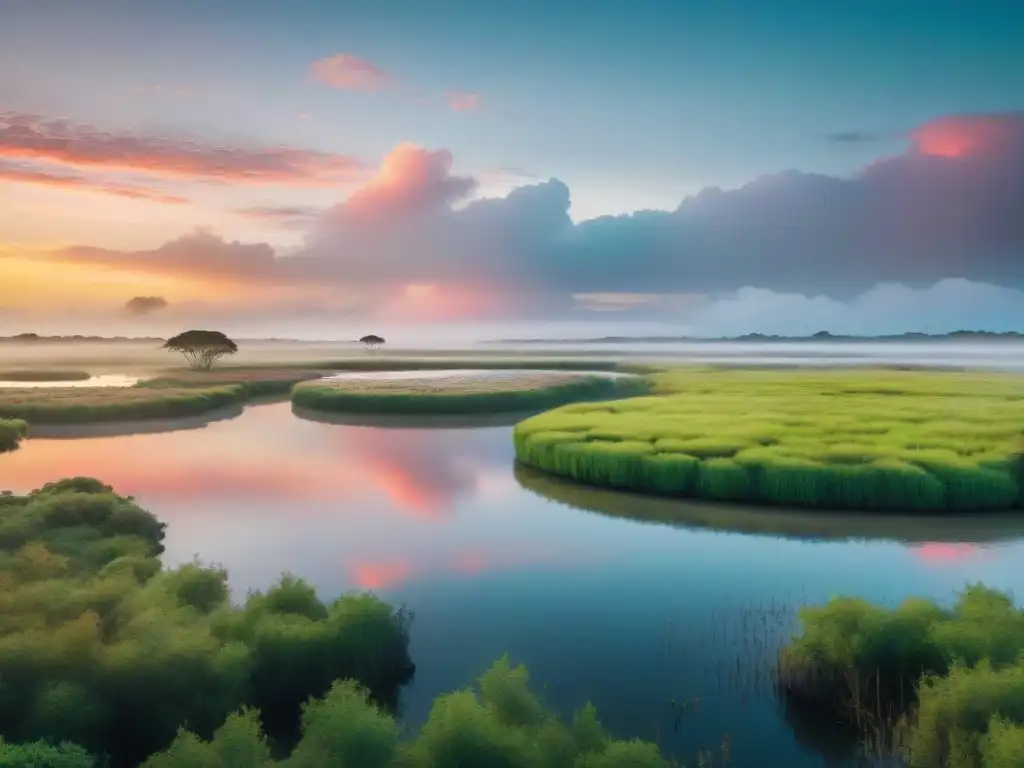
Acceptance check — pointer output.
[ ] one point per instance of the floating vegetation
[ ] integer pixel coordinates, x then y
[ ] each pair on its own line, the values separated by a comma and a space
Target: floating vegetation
873, 440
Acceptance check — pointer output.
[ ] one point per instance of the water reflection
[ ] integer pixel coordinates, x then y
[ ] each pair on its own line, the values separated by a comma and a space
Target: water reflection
813, 525
629, 616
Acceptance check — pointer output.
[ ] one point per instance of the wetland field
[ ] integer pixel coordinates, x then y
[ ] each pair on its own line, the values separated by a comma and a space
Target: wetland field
667, 597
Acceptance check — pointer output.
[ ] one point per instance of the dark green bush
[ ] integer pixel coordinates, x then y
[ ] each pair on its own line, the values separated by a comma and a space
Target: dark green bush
101, 647
11, 433
958, 674
503, 725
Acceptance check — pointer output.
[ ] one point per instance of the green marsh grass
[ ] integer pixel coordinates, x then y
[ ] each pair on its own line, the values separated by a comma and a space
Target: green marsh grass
863, 439
173, 395
526, 392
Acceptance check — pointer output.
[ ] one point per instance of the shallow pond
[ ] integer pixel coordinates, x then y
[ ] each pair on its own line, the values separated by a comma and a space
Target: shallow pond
600, 604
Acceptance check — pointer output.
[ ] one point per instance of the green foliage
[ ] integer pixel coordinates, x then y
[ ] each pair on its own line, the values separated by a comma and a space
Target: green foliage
434, 398
39, 754
874, 440
102, 647
504, 725
11, 433
963, 666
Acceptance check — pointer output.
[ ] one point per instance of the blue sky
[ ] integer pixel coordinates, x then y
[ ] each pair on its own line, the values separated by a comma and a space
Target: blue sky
632, 104
181, 148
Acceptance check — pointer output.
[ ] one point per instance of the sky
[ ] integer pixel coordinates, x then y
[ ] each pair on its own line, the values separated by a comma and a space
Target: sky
319, 167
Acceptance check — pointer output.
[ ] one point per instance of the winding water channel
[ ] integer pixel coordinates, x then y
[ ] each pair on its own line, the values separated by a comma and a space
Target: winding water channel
592, 590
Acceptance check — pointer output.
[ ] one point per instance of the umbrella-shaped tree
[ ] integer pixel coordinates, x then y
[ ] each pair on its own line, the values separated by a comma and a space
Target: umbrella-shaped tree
372, 341
201, 348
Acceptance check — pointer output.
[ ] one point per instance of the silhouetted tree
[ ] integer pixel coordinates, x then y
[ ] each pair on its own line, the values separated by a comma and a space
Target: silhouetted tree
372, 341
202, 348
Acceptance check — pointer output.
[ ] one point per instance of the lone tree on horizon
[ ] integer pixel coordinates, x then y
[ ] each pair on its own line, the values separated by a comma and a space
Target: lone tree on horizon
372, 341
201, 348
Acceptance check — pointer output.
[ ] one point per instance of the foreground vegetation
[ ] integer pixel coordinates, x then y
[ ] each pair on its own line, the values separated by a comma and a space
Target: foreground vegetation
101, 647
938, 688
107, 657
459, 395
881, 440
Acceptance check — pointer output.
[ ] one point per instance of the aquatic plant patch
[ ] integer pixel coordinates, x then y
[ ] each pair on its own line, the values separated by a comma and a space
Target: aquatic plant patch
864, 439
456, 395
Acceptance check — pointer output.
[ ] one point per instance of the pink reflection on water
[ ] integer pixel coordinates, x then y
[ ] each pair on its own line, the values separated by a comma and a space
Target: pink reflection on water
939, 553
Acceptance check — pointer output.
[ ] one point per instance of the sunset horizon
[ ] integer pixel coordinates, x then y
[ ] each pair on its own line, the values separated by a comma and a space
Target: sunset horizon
375, 184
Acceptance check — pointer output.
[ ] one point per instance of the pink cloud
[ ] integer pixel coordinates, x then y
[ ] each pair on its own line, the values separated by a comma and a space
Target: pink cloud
969, 135
463, 101
28, 137
77, 183
410, 178
350, 73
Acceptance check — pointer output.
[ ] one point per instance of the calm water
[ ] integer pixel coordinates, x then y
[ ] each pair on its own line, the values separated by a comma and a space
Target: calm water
599, 604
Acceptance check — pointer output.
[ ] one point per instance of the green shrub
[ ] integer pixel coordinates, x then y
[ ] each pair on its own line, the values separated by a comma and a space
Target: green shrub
958, 673
503, 725
102, 647
11, 433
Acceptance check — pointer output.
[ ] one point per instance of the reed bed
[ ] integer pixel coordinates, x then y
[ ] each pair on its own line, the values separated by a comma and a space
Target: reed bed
933, 687
458, 395
44, 374
870, 440
11, 433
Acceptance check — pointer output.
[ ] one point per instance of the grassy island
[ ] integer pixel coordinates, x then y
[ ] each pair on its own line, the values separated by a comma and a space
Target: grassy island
933, 687
842, 439
107, 658
44, 375
523, 391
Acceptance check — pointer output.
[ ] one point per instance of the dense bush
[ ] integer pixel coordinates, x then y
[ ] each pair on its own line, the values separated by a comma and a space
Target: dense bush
101, 647
837, 439
957, 673
503, 725
11, 433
